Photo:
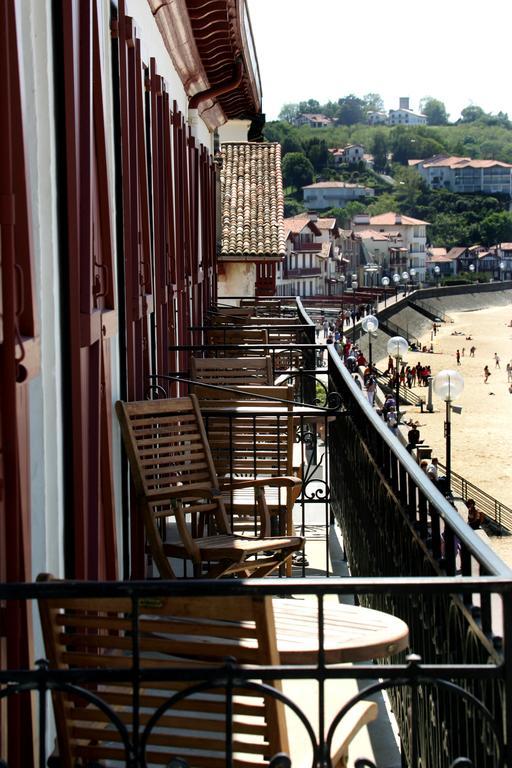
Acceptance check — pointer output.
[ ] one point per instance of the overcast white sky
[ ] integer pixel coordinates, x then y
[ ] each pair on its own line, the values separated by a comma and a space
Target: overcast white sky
457, 51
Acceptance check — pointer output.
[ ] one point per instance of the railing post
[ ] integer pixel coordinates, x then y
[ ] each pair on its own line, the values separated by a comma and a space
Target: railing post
430, 406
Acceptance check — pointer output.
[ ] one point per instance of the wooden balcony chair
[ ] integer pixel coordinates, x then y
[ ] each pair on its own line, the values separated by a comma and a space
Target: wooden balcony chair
175, 634
233, 371
250, 436
176, 482
215, 338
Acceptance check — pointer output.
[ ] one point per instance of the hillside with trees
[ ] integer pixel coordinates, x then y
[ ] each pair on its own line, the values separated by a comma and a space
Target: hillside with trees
456, 219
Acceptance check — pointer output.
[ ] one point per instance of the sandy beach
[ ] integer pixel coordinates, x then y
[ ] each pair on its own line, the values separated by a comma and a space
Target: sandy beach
482, 433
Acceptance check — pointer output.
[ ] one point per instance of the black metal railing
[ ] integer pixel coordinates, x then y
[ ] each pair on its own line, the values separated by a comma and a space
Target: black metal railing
436, 312
495, 511
452, 704
406, 395
395, 330
395, 523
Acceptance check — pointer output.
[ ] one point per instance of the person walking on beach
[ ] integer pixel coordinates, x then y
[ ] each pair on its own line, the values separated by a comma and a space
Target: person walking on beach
472, 351
509, 372
496, 360
457, 355
487, 373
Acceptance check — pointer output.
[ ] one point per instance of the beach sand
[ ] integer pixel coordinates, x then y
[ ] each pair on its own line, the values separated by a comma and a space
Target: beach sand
482, 433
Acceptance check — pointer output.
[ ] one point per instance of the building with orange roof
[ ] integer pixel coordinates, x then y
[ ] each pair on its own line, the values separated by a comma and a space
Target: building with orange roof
406, 236
462, 174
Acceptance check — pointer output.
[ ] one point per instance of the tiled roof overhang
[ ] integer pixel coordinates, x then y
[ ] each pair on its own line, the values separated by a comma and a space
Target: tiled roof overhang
205, 38
251, 190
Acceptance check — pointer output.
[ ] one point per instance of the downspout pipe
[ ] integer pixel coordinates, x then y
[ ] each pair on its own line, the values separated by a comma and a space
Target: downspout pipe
212, 93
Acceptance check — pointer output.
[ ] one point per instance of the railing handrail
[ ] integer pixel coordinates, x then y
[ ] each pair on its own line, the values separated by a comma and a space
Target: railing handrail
398, 329
490, 561
269, 585
489, 504
240, 393
432, 309
406, 395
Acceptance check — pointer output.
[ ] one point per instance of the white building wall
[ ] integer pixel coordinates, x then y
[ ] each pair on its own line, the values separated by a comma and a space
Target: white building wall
46, 425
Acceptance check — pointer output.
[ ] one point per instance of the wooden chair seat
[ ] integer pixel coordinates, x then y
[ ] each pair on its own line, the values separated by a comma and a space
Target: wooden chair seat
175, 635
176, 482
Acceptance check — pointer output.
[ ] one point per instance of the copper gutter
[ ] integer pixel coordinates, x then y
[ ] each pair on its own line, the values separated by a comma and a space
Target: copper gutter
220, 90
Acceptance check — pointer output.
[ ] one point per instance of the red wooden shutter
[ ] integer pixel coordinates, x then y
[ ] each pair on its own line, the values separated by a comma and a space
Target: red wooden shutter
19, 361
89, 300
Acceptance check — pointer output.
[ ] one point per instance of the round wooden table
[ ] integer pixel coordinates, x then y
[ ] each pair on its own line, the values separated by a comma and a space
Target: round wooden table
351, 633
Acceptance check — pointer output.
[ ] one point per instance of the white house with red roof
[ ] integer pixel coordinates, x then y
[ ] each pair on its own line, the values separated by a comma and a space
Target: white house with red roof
314, 121
462, 174
407, 240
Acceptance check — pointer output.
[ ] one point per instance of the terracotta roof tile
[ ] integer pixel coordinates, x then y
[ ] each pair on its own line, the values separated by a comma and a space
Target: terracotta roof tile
325, 223
372, 234
251, 190
394, 219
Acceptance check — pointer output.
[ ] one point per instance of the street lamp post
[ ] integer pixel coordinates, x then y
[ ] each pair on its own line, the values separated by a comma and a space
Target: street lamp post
472, 269
502, 270
385, 283
342, 279
396, 280
370, 325
405, 278
397, 347
437, 272
354, 289
448, 385
412, 275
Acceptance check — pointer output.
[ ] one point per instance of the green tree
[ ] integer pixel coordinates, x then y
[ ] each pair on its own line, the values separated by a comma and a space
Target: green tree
496, 228
471, 114
373, 102
289, 112
309, 107
350, 110
297, 170
317, 153
434, 110
410, 189
379, 149
291, 143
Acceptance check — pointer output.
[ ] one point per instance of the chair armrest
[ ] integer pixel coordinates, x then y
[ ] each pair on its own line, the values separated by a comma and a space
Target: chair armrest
181, 492
261, 482
359, 715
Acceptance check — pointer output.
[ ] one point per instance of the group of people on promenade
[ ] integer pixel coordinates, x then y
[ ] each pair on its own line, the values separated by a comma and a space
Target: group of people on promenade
408, 375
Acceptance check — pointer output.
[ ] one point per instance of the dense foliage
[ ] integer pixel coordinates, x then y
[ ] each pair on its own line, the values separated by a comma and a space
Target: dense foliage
455, 219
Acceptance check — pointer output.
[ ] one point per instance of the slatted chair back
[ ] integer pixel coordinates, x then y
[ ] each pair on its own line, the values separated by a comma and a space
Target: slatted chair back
176, 482
254, 438
233, 371
173, 634
231, 336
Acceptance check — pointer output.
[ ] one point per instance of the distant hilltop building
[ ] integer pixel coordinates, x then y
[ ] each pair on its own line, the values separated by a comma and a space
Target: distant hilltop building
313, 121
462, 174
333, 194
404, 115
351, 154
